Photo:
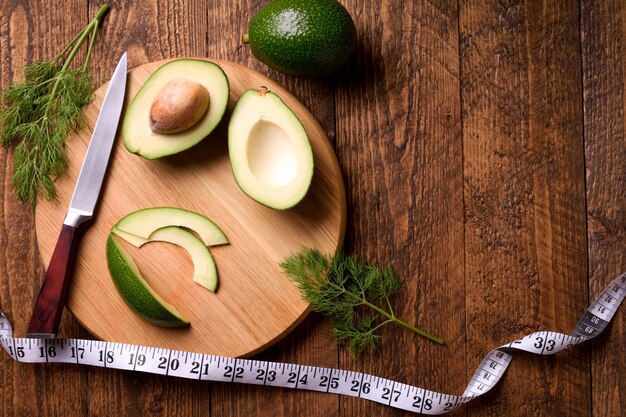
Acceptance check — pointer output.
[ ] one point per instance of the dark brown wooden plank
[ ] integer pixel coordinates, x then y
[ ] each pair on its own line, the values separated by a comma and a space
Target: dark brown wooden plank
29, 32
399, 142
312, 342
524, 198
603, 40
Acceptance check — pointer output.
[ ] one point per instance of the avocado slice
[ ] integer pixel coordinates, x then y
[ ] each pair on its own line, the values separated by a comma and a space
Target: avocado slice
138, 129
310, 38
135, 291
204, 270
137, 227
159, 224
269, 150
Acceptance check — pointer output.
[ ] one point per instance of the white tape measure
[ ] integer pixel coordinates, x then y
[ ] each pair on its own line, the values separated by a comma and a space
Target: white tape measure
355, 384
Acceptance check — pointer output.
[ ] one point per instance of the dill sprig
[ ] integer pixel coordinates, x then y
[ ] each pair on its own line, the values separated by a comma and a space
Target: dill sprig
355, 295
37, 115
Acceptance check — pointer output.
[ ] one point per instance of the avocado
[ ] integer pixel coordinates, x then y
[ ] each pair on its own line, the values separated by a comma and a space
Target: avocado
135, 291
269, 150
309, 38
137, 227
204, 270
159, 224
178, 106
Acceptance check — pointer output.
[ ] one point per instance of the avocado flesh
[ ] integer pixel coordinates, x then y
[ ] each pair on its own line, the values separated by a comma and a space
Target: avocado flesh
138, 226
310, 38
136, 133
204, 270
134, 240
269, 150
135, 291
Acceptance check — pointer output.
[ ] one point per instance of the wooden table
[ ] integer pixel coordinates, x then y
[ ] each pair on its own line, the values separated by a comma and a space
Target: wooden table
483, 152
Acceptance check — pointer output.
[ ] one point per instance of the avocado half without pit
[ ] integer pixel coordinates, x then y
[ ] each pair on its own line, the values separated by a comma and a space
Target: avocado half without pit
269, 150
178, 106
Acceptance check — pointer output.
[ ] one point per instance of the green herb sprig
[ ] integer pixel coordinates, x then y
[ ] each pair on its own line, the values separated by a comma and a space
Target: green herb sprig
355, 295
38, 114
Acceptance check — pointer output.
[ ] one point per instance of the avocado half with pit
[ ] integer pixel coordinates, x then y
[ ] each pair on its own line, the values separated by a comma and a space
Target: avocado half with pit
161, 224
269, 150
178, 106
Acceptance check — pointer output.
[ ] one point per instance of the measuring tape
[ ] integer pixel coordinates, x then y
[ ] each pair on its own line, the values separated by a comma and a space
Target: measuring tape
355, 384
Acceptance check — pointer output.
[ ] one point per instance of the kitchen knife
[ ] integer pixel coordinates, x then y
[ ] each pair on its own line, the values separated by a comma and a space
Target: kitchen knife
46, 316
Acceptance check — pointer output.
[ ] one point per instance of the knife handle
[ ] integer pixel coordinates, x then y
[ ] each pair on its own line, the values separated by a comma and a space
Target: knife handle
44, 322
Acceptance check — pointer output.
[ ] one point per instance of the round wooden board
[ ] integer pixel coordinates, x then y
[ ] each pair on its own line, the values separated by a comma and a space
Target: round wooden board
256, 304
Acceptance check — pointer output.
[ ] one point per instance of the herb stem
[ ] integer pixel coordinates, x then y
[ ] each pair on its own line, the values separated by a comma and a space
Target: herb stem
90, 47
81, 39
389, 305
88, 28
69, 45
390, 316
96, 21
381, 325
77, 44
402, 323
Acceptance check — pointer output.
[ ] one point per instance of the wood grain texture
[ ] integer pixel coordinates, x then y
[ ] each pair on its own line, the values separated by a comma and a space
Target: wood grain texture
201, 180
603, 41
524, 197
399, 141
499, 107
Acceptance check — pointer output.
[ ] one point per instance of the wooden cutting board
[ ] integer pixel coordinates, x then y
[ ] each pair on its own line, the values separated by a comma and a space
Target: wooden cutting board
256, 304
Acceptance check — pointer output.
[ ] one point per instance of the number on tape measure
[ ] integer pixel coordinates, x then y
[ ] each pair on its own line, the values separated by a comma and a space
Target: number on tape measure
248, 371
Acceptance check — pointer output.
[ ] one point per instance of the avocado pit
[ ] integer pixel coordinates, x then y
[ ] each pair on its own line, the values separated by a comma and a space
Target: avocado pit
178, 106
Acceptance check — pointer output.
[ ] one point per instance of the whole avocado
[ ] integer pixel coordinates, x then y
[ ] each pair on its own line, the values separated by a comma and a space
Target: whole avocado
309, 38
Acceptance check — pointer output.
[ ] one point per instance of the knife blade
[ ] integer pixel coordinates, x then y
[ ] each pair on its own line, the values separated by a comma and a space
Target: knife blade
44, 321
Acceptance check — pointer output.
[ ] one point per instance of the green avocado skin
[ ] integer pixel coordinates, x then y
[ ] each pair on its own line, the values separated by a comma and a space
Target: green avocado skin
136, 296
309, 38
